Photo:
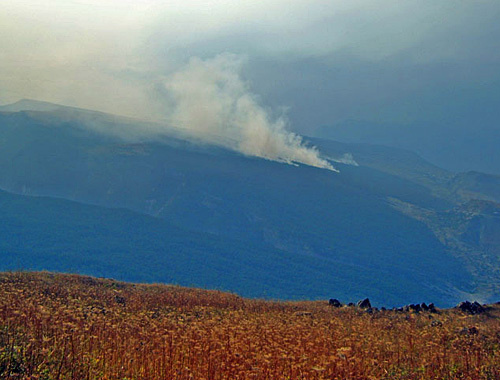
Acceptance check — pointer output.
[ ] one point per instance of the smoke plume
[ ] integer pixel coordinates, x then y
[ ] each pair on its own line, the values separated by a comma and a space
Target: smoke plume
212, 102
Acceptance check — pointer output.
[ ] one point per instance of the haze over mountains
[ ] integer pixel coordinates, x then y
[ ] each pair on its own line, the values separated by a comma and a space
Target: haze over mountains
459, 145
419, 75
105, 195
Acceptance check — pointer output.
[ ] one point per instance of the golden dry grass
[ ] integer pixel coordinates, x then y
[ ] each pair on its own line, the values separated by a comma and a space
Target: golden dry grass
55, 326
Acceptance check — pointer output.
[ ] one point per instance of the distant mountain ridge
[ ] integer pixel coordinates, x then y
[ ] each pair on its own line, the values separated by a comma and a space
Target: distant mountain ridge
375, 229
456, 187
30, 105
454, 146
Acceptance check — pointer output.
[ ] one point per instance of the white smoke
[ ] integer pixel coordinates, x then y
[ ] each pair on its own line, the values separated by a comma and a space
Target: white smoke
347, 159
212, 102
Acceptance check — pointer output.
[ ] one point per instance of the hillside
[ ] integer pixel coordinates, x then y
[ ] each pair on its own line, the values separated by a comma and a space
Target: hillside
59, 235
73, 327
309, 230
444, 184
234, 222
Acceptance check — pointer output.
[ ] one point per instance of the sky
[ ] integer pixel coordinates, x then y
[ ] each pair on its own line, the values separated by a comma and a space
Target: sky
329, 68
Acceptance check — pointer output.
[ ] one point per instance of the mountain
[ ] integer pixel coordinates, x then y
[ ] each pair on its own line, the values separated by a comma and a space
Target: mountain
475, 185
459, 144
444, 184
30, 105
65, 236
56, 234
280, 230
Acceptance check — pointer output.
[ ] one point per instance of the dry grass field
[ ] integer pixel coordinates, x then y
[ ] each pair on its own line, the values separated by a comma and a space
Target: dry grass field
55, 326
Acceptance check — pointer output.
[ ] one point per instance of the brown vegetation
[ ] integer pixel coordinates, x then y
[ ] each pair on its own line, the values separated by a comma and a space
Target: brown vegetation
73, 327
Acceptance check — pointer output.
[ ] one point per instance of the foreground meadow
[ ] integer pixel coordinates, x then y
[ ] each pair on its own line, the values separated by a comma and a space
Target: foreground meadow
55, 326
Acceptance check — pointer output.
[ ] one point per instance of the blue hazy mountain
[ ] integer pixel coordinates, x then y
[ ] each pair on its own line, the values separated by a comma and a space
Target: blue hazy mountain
207, 216
458, 145
59, 235
455, 187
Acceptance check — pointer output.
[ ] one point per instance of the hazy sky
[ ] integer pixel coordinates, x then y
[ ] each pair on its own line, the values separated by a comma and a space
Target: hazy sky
324, 62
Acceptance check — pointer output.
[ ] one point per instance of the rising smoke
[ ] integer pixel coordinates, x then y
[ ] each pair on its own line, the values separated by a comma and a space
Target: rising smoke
211, 101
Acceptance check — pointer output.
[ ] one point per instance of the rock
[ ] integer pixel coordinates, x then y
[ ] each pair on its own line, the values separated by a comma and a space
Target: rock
415, 307
432, 308
471, 308
364, 304
334, 302
350, 304
383, 309
424, 306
